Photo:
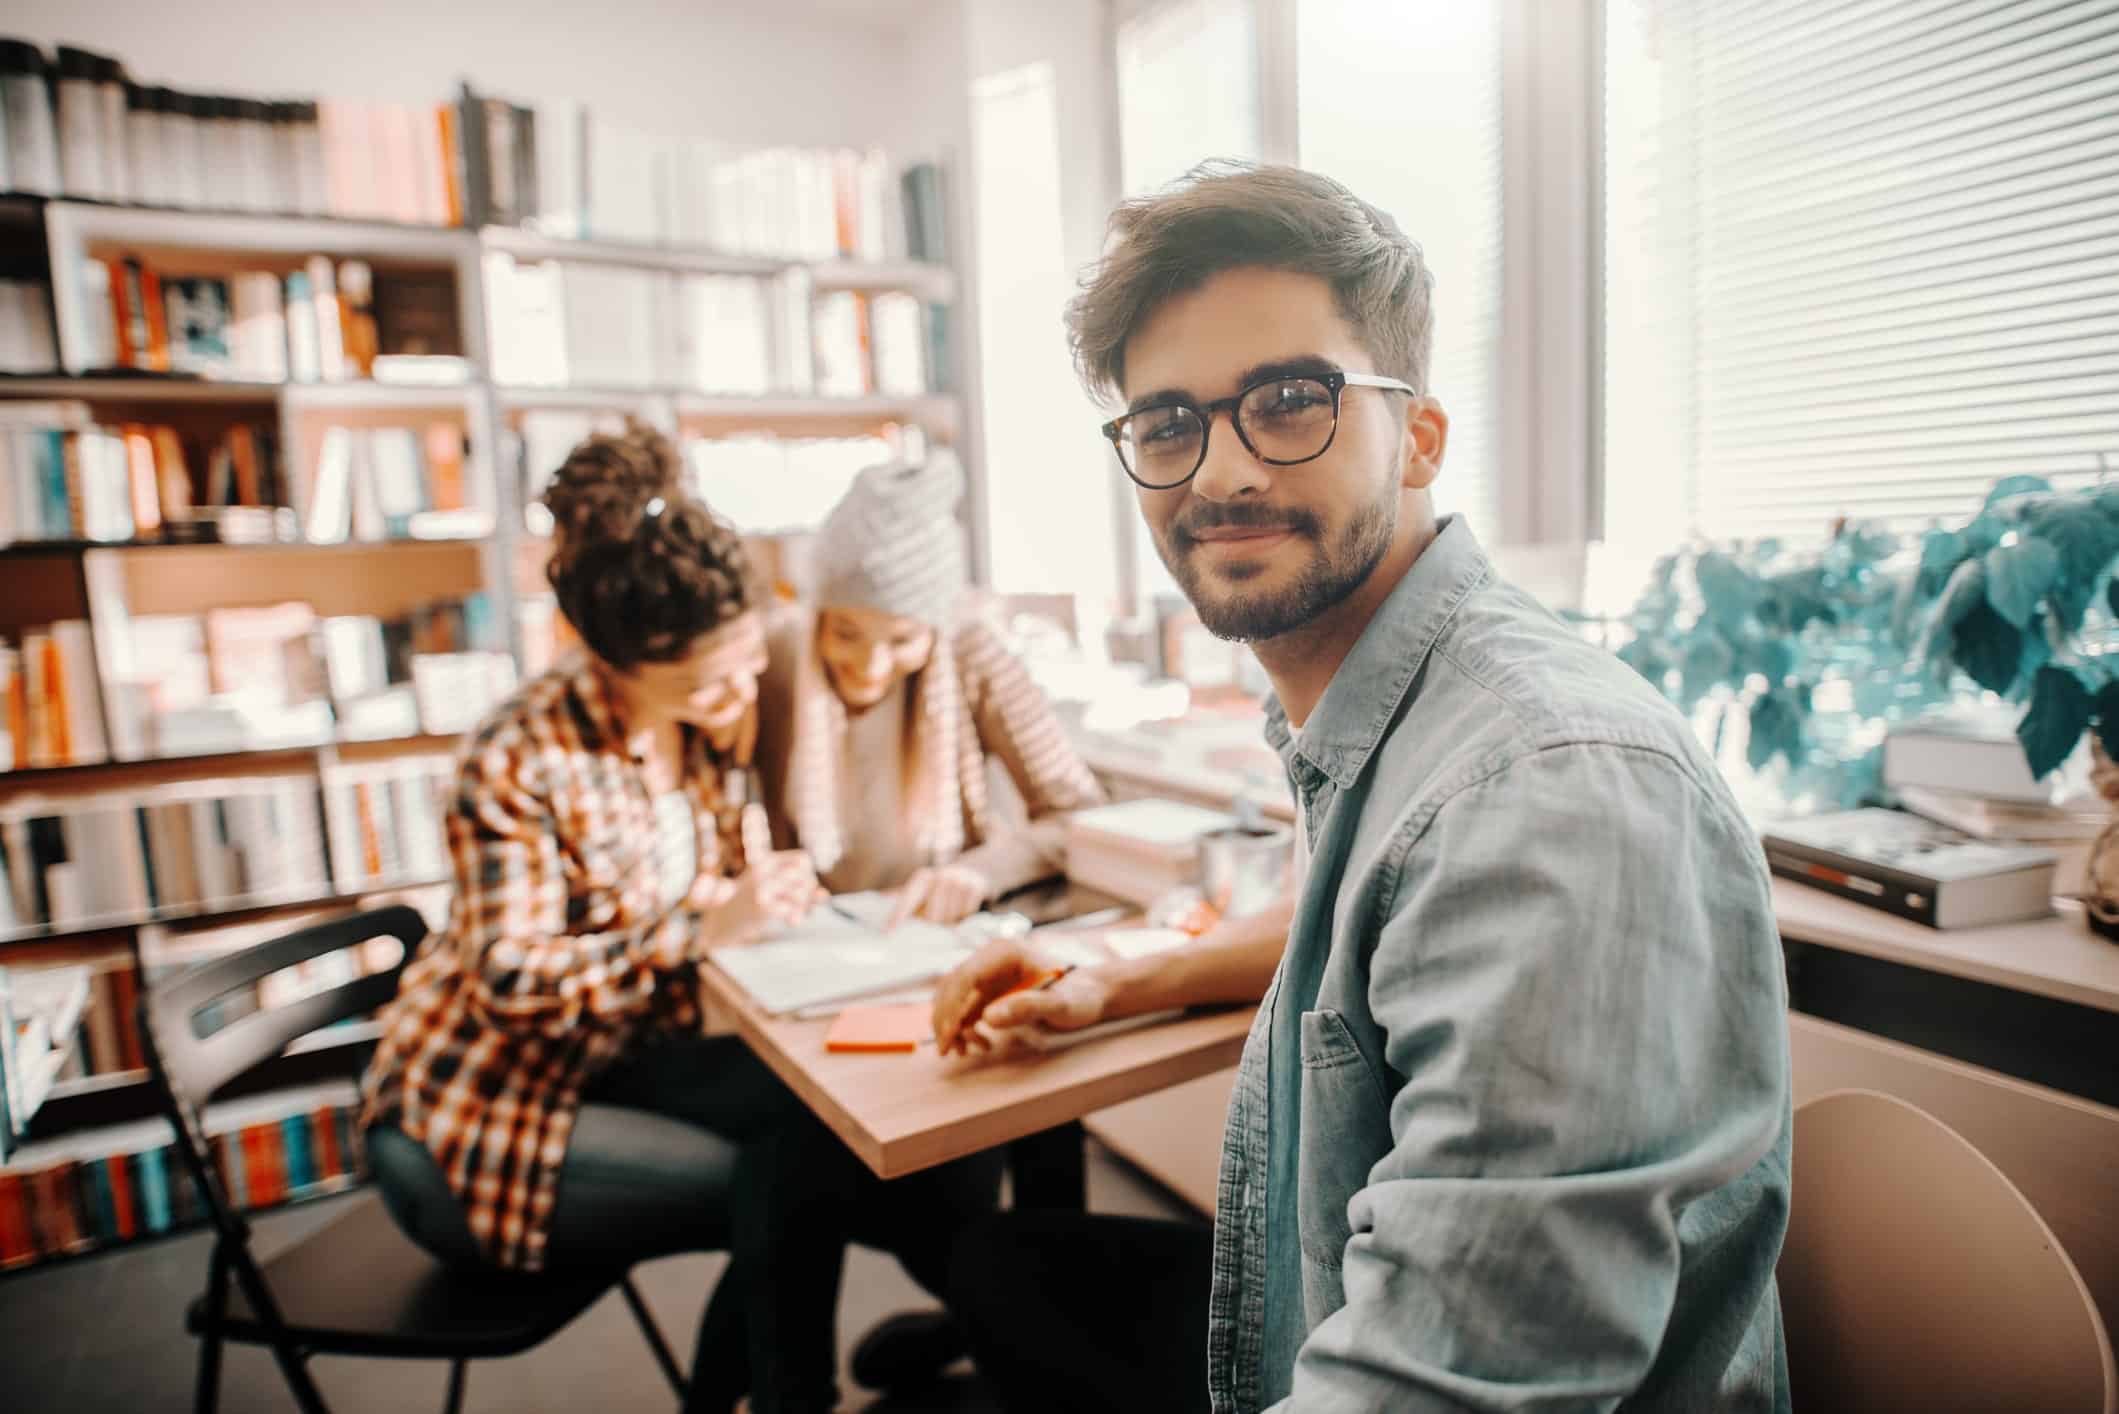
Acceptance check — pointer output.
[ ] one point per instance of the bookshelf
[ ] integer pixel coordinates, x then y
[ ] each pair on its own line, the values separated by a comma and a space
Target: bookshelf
751, 368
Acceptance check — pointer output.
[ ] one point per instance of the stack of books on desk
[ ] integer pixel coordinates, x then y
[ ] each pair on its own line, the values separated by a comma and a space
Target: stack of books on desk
1970, 774
1903, 864
1140, 850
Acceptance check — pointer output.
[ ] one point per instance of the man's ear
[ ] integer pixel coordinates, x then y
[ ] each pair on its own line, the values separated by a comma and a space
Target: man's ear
1426, 439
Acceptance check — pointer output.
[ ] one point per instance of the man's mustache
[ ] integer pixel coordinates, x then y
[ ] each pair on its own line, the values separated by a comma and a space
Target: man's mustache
1185, 531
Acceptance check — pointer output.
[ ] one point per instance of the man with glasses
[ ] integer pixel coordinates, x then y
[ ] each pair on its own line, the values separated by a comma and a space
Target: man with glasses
1511, 1130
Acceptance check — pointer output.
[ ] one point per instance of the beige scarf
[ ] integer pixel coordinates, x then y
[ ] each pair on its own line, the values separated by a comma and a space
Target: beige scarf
948, 804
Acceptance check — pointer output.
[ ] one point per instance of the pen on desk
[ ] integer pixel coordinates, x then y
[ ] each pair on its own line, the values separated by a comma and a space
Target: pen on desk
1088, 920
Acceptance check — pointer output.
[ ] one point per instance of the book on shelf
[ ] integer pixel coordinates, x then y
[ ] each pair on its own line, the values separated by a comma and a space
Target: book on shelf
105, 137
99, 1187
28, 342
385, 821
558, 323
40, 1018
104, 860
1901, 863
63, 478
51, 700
326, 321
263, 677
392, 483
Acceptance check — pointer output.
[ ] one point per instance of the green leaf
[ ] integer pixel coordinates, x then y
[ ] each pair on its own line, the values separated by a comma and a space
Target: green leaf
2111, 595
1966, 591
1988, 648
1705, 666
2019, 575
1939, 553
1728, 591
2088, 541
2058, 715
2017, 486
1776, 730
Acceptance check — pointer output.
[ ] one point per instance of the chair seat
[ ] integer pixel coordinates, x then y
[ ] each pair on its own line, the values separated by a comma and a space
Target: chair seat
359, 1286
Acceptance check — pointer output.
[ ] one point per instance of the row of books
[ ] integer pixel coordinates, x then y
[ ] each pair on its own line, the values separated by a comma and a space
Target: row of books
394, 483
562, 323
106, 859
889, 343
80, 126
51, 702
281, 675
570, 172
324, 322
65, 477
199, 849
132, 1183
27, 341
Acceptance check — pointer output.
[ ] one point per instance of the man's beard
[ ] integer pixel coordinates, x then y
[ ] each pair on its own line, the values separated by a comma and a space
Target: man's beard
1333, 572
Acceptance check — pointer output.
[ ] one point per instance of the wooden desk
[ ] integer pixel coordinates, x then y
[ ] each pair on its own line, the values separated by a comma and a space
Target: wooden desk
2054, 957
902, 1113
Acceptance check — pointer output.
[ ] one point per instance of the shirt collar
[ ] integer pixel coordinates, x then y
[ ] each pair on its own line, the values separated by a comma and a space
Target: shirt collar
1371, 684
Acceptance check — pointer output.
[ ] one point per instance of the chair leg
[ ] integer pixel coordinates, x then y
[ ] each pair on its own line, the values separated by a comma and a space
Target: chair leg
455, 1401
208, 1396
653, 1332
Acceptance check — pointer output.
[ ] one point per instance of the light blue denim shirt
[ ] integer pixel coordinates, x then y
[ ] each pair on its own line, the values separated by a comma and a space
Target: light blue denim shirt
1512, 1129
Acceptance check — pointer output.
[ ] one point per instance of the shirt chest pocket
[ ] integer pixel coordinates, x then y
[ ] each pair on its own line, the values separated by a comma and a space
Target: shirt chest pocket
1345, 1130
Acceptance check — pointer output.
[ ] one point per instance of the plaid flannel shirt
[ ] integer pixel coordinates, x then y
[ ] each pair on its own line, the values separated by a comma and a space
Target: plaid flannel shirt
557, 955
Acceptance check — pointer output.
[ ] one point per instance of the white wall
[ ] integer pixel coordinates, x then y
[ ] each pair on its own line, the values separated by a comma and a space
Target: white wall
744, 73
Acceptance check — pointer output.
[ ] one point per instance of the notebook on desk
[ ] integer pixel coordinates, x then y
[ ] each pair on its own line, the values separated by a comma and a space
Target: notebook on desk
840, 953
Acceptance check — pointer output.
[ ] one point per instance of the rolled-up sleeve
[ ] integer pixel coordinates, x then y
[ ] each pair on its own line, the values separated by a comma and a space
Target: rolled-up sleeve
1578, 986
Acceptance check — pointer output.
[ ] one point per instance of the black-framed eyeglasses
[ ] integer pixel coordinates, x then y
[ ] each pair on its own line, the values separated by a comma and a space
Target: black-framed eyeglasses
1283, 421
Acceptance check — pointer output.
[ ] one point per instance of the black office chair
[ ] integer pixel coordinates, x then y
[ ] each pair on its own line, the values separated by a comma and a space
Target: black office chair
357, 1286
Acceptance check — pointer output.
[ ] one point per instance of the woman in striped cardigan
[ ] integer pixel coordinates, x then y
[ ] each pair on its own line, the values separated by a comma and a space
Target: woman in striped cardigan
884, 715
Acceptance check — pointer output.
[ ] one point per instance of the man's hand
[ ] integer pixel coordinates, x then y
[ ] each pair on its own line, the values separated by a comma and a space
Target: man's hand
1000, 985
948, 894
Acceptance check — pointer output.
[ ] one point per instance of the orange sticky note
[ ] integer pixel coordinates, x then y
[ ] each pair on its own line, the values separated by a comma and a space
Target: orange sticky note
897, 1026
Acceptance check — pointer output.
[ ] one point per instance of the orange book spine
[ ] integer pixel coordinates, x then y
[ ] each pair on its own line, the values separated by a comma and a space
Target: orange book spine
264, 1175
59, 736
76, 487
323, 1132
172, 476
371, 841
157, 320
243, 451
17, 708
141, 481
121, 1200
445, 466
452, 157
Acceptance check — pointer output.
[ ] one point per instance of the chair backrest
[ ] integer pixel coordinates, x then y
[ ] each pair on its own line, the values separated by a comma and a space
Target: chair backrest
1916, 1276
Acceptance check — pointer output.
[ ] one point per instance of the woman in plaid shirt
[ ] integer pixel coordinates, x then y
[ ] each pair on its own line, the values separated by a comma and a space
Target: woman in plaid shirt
542, 1096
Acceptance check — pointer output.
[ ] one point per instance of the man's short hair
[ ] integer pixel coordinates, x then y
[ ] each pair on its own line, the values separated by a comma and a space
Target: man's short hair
1226, 215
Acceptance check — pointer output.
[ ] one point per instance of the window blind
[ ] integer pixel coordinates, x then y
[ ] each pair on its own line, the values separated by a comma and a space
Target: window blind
1401, 100
1861, 260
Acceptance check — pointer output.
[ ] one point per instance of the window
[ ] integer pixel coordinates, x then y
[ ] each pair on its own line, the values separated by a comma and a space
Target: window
1046, 536
1187, 89
1860, 259
1400, 100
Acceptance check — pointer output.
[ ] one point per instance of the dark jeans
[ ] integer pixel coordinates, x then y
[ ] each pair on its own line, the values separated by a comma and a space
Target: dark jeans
1070, 1312
694, 1145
